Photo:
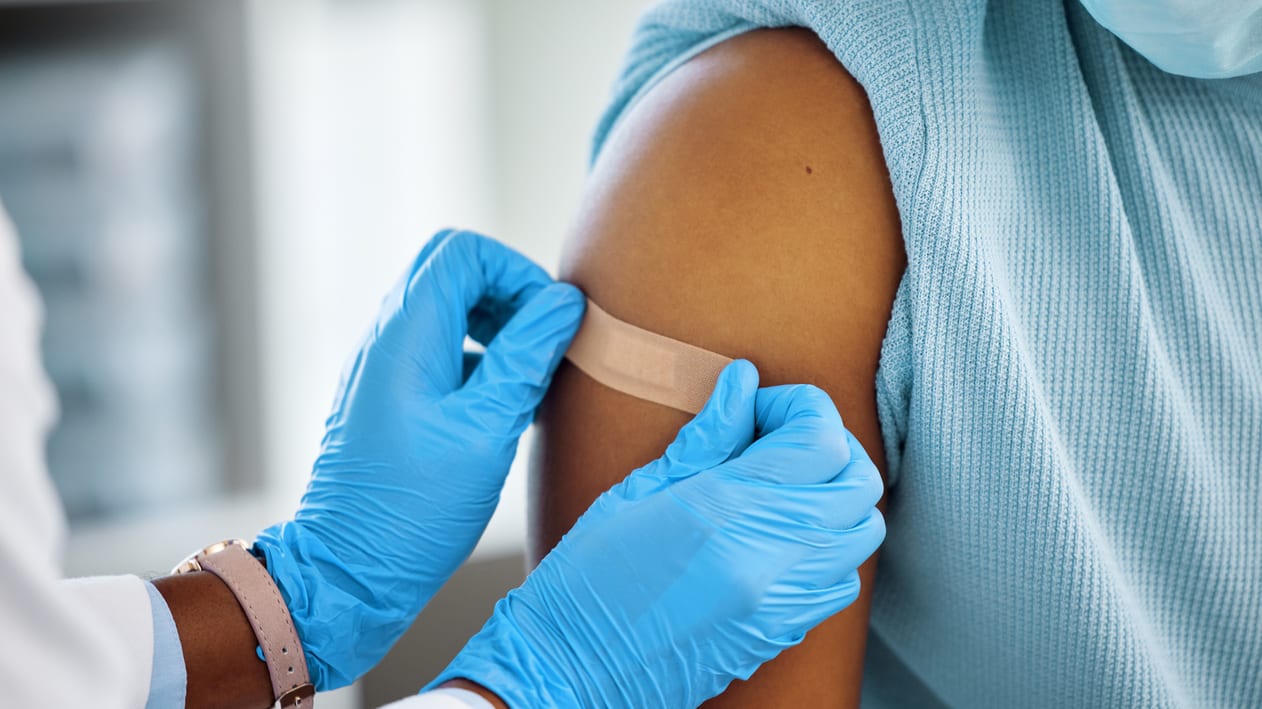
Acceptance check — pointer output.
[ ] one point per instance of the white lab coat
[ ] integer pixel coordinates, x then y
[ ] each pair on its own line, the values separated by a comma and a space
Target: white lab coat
81, 643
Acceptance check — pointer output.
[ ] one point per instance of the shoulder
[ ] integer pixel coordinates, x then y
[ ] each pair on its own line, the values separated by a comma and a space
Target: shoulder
769, 108
766, 75
743, 203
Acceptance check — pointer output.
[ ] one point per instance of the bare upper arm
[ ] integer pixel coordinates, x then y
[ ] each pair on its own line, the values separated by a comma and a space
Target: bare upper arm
743, 206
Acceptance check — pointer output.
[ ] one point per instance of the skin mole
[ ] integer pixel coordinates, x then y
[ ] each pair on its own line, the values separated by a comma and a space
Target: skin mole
809, 170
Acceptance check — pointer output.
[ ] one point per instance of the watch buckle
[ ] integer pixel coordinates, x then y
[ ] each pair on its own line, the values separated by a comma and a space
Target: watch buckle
190, 563
295, 696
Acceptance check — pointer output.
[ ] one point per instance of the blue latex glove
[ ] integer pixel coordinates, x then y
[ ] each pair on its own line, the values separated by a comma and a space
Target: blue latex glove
414, 456
697, 568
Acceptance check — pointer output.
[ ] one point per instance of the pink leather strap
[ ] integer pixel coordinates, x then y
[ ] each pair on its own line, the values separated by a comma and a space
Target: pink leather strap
644, 364
269, 616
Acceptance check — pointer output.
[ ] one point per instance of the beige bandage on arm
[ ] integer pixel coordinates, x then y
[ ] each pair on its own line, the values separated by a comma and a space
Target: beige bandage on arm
644, 364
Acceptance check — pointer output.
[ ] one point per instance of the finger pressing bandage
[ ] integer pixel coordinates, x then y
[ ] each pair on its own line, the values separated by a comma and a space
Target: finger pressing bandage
644, 364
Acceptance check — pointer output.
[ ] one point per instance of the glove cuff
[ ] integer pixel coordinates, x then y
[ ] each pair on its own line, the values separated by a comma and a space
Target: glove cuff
343, 627
503, 660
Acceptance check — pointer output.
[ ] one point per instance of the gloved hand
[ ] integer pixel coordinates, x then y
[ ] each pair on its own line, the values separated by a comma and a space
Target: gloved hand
697, 568
414, 456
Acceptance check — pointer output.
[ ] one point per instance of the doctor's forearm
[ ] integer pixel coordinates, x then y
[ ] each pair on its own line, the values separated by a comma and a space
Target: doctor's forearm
219, 647
218, 642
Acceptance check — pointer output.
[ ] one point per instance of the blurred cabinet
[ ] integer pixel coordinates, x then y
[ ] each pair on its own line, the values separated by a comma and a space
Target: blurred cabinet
104, 131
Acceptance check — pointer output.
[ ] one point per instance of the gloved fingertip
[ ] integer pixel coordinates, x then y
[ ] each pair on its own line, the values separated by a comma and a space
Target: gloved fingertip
737, 388
560, 306
555, 311
723, 428
744, 375
568, 307
856, 450
736, 385
878, 526
519, 363
846, 591
567, 294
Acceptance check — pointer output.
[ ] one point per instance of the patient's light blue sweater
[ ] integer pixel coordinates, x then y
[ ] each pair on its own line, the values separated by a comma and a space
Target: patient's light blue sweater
1071, 383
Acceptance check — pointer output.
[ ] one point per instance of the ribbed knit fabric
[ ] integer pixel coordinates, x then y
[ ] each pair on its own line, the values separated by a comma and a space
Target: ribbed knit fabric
1070, 388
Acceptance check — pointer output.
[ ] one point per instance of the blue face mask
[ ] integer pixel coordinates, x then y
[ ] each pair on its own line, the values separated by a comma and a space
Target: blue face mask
1205, 39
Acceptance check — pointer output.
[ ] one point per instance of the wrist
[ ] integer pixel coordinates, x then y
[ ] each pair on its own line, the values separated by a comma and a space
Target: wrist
218, 643
477, 689
346, 618
287, 554
504, 662
266, 612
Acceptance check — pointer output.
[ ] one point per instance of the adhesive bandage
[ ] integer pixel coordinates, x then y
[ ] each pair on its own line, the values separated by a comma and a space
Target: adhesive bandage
644, 364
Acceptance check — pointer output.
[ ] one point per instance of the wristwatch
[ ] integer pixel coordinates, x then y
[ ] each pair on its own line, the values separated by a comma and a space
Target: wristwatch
255, 590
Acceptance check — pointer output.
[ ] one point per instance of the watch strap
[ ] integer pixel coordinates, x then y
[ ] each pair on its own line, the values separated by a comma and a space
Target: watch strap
259, 597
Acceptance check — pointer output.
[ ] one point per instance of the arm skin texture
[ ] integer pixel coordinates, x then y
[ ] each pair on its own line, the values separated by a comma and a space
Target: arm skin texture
742, 206
219, 646
218, 642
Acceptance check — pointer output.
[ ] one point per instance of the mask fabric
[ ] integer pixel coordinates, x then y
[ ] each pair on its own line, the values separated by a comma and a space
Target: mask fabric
1204, 39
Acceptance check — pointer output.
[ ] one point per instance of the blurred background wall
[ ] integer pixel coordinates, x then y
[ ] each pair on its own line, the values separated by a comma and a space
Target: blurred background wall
213, 196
